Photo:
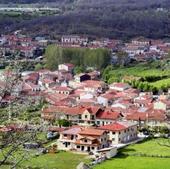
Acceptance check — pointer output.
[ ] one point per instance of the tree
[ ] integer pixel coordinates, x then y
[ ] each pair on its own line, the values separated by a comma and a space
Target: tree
146, 86
53, 56
96, 58
78, 70
12, 140
122, 57
38, 66
64, 123
105, 74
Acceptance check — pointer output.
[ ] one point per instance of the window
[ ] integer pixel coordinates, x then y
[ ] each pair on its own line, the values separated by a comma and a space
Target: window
72, 137
79, 116
86, 116
92, 117
113, 132
78, 146
85, 141
92, 148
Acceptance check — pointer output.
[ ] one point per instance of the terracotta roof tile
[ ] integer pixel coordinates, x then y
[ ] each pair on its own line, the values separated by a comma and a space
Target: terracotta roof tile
114, 127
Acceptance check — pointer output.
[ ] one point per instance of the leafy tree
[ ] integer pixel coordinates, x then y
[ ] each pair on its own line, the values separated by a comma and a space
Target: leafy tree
78, 70
64, 123
122, 57
39, 66
96, 58
53, 56
106, 72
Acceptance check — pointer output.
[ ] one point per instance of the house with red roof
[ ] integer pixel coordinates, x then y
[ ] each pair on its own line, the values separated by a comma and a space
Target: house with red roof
31, 78
94, 86
30, 87
122, 103
82, 77
107, 117
54, 98
148, 116
68, 138
61, 90
105, 99
91, 140
66, 66
119, 86
163, 104
82, 115
121, 132
46, 83
143, 100
83, 139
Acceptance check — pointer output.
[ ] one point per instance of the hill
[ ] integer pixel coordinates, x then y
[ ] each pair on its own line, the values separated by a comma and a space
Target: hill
108, 18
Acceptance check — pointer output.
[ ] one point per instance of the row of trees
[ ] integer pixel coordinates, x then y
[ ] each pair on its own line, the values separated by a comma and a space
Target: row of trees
96, 58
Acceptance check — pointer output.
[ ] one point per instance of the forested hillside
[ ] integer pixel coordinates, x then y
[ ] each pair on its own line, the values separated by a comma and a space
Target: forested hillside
105, 18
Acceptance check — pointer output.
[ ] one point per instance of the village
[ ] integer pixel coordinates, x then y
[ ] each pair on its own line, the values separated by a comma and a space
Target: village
87, 114
20, 46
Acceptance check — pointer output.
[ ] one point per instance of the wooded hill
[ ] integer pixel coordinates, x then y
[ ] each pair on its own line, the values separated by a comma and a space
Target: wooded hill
105, 18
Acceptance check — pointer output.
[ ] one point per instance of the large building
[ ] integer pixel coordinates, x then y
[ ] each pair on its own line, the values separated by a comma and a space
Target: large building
121, 132
73, 39
83, 139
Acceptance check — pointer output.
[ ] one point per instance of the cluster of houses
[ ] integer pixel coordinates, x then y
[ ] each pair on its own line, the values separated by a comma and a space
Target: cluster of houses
138, 49
21, 46
100, 115
142, 49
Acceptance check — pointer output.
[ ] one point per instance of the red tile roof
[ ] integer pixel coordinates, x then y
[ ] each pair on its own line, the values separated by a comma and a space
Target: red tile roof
93, 83
113, 127
60, 88
120, 85
156, 115
71, 110
108, 115
92, 132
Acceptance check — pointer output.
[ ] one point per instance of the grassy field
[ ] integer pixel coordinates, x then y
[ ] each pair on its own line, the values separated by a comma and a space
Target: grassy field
142, 70
135, 163
62, 160
125, 159
154, 74
150, 147
159, 83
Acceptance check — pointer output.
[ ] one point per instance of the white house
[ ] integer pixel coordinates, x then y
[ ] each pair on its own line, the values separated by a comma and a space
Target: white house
73, 39
83, 139
66, 66
121, 132
119, 86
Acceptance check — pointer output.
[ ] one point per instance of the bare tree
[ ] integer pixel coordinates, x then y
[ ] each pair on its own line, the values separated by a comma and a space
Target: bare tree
12, 140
